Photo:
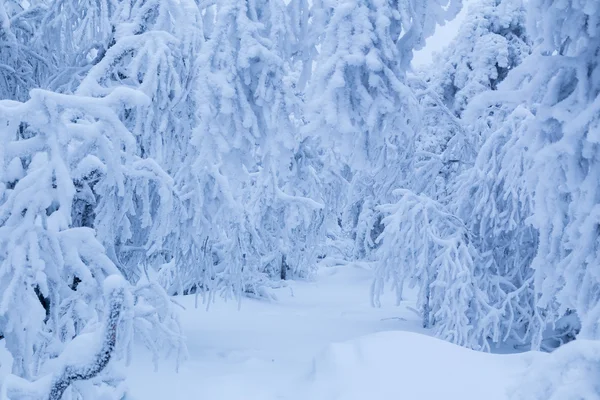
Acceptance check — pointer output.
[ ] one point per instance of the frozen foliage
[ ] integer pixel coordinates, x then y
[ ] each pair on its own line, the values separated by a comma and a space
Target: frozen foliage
430, 248
152, 50
490, 43
459, 296
85, 357
445, 146
493, 296
529, 231
531, 195
562, 138
51, 44
45, 154
22, 66
86, 367
361, 111
494, 202
72, 36
248, 212
58, 149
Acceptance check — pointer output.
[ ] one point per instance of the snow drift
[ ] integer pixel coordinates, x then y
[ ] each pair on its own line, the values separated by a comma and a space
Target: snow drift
393, 365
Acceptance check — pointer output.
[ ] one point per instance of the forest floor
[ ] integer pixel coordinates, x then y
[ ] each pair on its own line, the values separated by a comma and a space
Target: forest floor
321, 340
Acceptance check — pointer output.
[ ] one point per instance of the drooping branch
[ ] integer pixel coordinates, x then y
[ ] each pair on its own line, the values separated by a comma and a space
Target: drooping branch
73, 373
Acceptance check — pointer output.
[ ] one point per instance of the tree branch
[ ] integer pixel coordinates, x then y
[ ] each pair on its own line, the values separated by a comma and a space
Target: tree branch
73, 373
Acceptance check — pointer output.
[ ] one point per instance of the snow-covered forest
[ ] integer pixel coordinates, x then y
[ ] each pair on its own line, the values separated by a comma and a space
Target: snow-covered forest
245, 194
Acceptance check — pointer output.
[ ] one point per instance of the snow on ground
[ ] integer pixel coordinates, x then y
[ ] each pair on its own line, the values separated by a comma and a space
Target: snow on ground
321, 340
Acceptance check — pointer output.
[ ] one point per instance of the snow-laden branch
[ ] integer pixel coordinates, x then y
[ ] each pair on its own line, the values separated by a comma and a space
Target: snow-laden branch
84, 358
426, 246
117, 300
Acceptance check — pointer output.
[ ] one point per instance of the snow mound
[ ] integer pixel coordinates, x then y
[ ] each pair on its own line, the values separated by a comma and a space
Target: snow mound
393, 365
569, 373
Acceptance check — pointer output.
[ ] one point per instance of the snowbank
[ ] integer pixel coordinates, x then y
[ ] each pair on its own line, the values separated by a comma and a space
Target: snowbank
406, 365
569, 373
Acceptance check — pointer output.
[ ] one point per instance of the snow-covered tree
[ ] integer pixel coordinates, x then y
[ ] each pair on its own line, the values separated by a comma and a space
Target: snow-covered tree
23, 66
52, 269
530, 197
52, 44
251, 222
428, 247
561, 88
491, 42
361, 111
482, 192
288, 223
445, 144
152, 50
308, 21
493, 199
73, 36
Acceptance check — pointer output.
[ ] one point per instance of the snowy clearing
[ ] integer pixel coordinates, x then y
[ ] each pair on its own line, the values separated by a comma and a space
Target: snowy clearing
324, 341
